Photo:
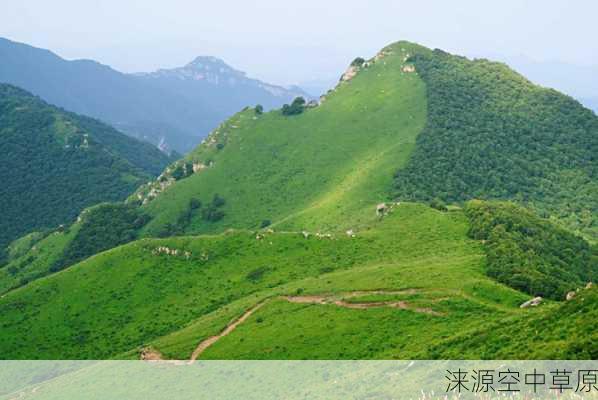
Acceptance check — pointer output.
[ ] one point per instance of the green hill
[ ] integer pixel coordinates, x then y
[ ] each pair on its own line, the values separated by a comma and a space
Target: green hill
280, 236
324, 168
56, 163
84, 312
410, 281
445, 126
492, 134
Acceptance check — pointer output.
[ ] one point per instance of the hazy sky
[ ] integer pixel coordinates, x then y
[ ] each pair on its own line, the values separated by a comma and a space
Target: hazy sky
296, 41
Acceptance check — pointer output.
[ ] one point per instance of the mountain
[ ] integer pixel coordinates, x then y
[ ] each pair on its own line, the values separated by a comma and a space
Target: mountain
304, 232
491, 133
55, 163
170, 108
444, 126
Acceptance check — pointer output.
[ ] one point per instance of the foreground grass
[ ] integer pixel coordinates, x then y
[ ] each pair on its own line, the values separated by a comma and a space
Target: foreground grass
126, 297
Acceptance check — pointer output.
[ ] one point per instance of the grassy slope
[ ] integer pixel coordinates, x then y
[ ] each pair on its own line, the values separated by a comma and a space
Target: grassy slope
128, 297
379, 112
37, 259
558, 332
320, 169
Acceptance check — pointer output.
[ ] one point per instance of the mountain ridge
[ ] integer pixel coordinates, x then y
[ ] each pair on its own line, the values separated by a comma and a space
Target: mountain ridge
295, 210
55, 163
175, 117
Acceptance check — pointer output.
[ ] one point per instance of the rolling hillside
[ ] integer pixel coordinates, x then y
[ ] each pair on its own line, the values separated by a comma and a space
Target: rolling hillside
404, 287
170, 108
56, 163
281, 237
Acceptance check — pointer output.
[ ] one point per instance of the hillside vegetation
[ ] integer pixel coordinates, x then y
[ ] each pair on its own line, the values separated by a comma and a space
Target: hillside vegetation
324, 168
123, 299
492, 134
531, 254
415, 280
170, 108
278, 238
55, 163
98, 228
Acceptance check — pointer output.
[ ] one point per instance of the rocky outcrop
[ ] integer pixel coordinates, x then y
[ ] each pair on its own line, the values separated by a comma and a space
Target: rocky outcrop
350, 73
172, 252
532, 303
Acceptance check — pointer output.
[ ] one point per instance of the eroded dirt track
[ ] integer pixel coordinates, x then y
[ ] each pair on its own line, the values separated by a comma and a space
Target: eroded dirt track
338, 299
229, 328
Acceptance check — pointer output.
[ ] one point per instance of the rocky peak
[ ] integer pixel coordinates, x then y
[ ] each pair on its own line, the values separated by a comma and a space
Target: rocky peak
204, 68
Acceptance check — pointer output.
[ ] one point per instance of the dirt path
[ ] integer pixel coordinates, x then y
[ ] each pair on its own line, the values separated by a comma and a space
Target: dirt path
203, 346
337, 300
331, 299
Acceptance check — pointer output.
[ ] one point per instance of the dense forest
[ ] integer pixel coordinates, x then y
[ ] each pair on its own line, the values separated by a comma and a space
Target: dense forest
529, 253
54, 164
492, 134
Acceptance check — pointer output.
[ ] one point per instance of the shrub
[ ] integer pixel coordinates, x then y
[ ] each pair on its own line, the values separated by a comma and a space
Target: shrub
438, 204
296, 107
194, 204
259, 109
265, 223
358, 62
178, 173
213, 213
218, 201
257, 274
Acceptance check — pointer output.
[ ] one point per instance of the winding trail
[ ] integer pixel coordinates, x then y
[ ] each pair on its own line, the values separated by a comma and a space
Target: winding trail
229, 328
336, 299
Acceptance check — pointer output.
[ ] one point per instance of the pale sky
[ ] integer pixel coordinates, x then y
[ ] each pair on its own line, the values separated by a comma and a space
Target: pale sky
288, 42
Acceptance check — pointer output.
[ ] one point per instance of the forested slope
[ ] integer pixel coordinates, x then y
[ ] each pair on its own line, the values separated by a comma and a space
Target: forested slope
55, 163
492, 134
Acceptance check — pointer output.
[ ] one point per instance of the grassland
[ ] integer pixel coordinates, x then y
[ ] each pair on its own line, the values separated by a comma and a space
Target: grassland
31, 260
322, 169
300, 265
136, 295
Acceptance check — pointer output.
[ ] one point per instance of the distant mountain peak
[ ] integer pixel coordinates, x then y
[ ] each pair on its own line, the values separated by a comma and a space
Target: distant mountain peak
203, 68
202, 62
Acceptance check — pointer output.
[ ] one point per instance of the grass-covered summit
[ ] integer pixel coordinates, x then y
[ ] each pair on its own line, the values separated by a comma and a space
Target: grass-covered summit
324, 167
445, 126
